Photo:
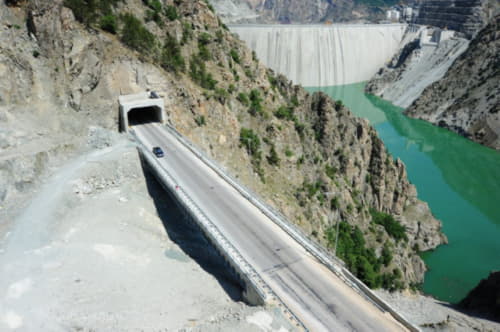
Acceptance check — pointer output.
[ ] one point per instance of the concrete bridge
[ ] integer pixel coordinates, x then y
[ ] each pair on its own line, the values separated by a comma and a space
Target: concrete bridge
276, 263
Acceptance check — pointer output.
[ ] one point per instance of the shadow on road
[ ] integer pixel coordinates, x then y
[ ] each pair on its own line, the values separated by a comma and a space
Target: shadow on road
190, 238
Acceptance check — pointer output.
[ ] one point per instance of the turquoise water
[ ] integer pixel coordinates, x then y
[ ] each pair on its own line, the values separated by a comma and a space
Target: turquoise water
458, 178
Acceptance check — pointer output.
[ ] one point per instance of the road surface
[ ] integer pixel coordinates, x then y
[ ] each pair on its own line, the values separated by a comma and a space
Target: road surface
314, 294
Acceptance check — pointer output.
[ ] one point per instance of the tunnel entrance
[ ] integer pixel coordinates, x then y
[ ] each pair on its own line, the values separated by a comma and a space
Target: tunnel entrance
142, 115
141, 108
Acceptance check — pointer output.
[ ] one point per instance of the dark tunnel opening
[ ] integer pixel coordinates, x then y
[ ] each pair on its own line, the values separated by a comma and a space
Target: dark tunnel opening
144, 115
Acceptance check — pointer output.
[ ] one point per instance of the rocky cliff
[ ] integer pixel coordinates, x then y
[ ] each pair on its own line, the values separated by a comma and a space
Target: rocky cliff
309, 156
466, 99
416, 66
301, 11
466, 16
485, 298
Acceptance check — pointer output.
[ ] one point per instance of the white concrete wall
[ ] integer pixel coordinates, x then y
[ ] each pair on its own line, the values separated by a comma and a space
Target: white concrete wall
323, 55
128, 103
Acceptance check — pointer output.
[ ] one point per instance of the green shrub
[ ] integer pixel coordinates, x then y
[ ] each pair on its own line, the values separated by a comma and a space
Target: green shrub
171, 56
300, 128
243, 98
204, 38
334, 203
250, 140
84, 11
200, 120
288, 153
221, 95
153, 4
210, 6
360, 260
199, 74
88, 11
254, 57
311, 189
234, 55
109, 23
272, 80
187, 32
391, 226
285, 112
219, 36
135, 35
386, 256
273, 158
330, 171
171, 13
204, 53
338, 105
255, 103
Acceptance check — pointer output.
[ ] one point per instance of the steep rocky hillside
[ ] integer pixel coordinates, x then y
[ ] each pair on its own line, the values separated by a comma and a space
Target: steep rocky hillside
63, 69
301, 11
467, 16
414, 67
466, 99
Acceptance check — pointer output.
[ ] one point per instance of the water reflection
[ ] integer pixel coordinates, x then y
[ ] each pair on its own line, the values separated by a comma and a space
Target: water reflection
458, 178
471, 170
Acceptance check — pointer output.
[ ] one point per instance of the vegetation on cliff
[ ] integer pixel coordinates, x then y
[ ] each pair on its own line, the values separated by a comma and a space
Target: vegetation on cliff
305, 154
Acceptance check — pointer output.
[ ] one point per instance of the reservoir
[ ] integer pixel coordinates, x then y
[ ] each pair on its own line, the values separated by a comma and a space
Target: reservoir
459, 179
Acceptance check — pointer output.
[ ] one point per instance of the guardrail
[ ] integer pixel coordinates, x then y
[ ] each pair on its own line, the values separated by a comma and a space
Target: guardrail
297, 234
243, 268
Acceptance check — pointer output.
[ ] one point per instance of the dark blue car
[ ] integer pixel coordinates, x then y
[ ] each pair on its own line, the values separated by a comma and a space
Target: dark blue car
158, 152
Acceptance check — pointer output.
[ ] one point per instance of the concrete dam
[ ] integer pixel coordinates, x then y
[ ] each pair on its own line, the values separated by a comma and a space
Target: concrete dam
323, 55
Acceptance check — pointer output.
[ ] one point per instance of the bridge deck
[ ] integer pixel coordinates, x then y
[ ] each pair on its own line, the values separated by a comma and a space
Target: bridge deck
315, 294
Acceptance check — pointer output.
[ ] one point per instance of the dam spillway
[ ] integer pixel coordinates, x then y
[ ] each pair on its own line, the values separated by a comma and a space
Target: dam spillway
323, 55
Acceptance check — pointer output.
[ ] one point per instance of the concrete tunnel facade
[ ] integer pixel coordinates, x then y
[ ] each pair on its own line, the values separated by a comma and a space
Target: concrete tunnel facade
141, 108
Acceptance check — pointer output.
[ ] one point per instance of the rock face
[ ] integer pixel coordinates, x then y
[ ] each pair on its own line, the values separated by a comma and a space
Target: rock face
323, 55
416, 66
485, 298
467, 16
466, 99
299, 11
313, 159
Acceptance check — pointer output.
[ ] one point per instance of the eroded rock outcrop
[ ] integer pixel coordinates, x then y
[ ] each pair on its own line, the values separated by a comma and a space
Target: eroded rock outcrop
416, 66
466, 99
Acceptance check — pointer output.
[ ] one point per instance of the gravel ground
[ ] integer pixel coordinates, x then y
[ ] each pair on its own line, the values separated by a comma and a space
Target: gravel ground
433, 315
92, 251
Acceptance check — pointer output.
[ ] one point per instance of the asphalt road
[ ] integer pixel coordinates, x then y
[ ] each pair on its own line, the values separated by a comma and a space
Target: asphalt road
315, 294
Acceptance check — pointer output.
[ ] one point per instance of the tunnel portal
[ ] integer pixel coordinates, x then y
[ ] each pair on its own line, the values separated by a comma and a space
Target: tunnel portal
141, 108
142, 115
